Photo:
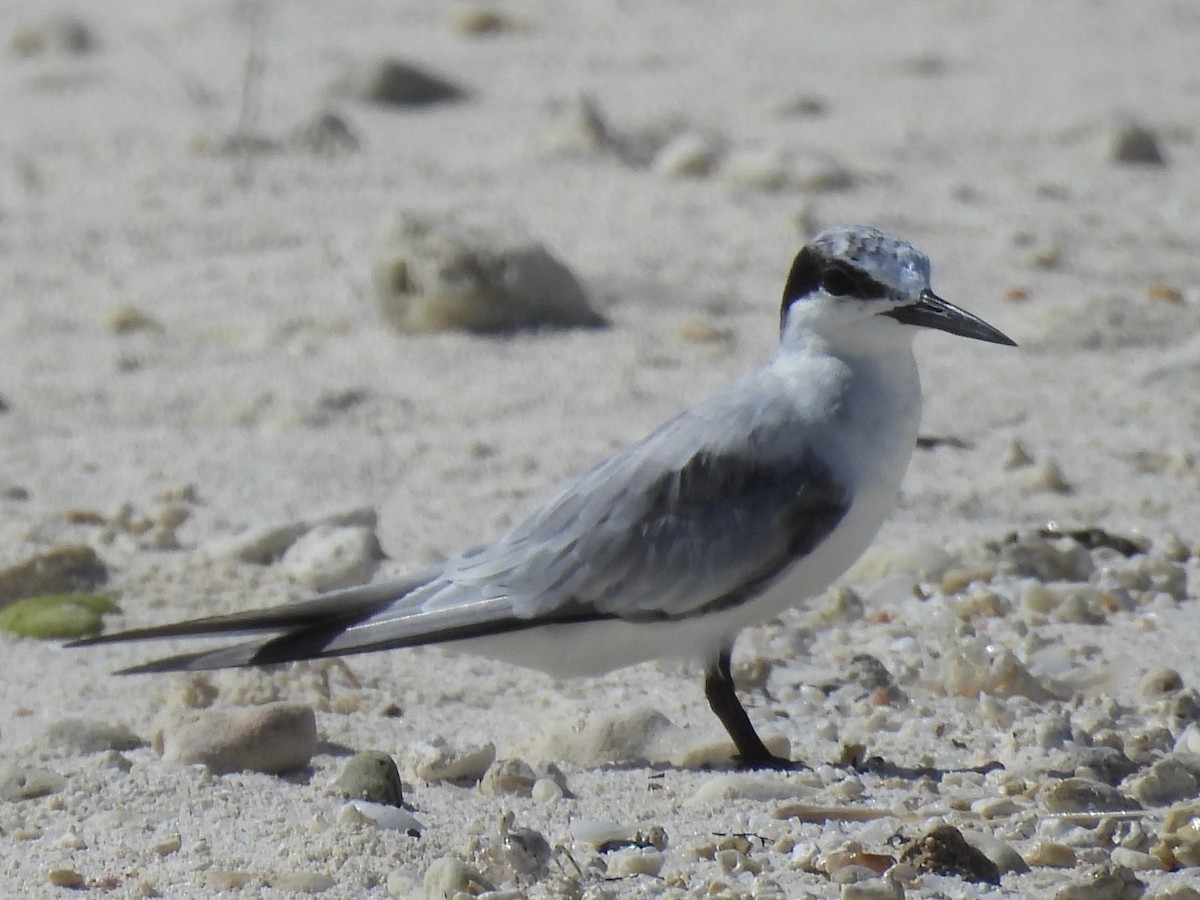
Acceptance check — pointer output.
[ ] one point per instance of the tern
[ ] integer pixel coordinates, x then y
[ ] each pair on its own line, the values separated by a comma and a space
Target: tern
743, 506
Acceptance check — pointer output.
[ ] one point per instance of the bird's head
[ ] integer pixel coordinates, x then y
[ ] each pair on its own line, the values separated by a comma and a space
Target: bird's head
859, 281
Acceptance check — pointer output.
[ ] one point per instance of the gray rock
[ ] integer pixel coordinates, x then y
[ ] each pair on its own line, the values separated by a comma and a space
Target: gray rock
272, 738
371, 775
1135, 143
392, 82
433, 274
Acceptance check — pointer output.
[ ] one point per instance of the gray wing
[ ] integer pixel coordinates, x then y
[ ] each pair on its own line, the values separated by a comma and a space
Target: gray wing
701, 514
695, 518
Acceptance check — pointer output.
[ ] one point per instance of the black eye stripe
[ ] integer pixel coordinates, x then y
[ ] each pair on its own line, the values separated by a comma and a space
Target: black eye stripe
851, 282
809, 270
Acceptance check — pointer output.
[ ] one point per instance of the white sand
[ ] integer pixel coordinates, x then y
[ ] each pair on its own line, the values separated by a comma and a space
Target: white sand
981, 132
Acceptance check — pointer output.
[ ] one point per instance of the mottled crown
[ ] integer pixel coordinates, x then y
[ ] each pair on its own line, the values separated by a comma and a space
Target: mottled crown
857, 262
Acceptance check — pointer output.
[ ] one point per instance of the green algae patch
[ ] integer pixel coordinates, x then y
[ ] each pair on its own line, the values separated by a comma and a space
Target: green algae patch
56, 616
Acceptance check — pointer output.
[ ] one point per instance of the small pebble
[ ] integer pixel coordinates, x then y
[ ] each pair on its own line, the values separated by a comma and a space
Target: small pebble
1162, 292
1179, 838
129, 319
65, 878
1049, 478
1048, 256
1147, 745
633, 861
854, 856
371, 775
1072, 795
1104, 883
618, 736
980, 667
944, 851
1045, 559
1002, 853
271, 738
1135, 143
437, 761
1189, 739
1135, 860
1051, 854
1167, 781
1018, 456
508, 776
329, 557
393, 82
546, 791
434, 273
68, 569
765, 888
735, 862
873, 889
483, 20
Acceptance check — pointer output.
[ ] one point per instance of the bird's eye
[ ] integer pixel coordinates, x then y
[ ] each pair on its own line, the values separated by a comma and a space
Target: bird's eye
837, 282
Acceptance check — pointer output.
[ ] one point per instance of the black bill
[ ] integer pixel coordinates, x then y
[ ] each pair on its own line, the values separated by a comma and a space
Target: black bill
931, 311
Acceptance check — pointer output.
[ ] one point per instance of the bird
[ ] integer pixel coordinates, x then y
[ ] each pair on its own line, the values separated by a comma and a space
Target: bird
739, 508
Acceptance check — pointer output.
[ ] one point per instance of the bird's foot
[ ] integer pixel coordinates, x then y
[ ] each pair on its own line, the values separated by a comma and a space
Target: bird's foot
754, 762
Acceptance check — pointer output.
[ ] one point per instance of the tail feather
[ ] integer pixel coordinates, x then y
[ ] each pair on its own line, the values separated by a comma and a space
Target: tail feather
301, 630
346, 607
373, 617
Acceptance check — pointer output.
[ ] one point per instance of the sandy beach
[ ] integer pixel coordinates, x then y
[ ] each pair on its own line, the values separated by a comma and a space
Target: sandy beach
195, 367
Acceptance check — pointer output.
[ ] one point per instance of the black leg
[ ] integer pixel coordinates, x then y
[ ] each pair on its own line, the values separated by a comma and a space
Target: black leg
718, 688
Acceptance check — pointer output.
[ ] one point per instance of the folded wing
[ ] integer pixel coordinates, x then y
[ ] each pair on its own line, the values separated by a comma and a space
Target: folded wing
699, 516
